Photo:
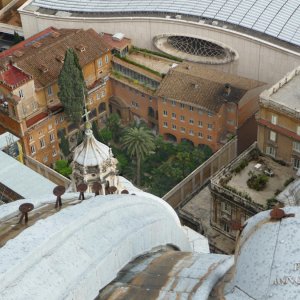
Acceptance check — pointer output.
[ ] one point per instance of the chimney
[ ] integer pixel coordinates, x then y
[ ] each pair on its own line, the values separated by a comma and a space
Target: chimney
227, 89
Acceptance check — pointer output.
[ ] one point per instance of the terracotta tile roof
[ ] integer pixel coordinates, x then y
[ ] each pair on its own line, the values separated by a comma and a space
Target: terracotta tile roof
38, 57
11, 77
204, 87
279, 129
115, 44
36, 119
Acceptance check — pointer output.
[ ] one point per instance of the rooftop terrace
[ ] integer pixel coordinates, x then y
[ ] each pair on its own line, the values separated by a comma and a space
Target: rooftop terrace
236, 179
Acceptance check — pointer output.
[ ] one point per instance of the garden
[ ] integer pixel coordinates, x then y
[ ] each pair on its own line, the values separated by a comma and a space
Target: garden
146, 160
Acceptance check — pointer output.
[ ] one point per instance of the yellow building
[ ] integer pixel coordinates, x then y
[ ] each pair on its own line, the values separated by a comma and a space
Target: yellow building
29, 104
279, 120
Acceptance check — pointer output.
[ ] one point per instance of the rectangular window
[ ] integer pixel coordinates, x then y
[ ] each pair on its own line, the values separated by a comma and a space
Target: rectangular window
173, 103
30, 138
200, 112
226, 227
209, 126
191, 108
226, 207
34, 105
165, 113
200, 124
181, 105
32, 149
54, 152
271, 151
49, 90
274, 119
191, 121
42, 143
230, 122
200, 135
296, 163
272, 136
173, 116
61, 118
56, 121
182, 118
99, 62
150, 98
182, 129
45, 159
21, 94
164, 100
135, 104
165, 124
102, 94
298, 130
209, 137
49, 127
191, 132
209, 114
173, 126
98, 96
296, 146
106, 59
51, 137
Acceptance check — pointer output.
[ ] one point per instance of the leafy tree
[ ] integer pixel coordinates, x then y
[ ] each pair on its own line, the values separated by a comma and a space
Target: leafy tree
105, 135
64, 146
72, 87
96, 131
164, 178
79, 137
62, 167
113, 123
138, 142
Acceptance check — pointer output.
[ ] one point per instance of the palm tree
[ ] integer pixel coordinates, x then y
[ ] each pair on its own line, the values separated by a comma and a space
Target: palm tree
138, 142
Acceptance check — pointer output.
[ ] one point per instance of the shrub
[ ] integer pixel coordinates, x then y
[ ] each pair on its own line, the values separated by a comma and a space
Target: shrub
288, 181
271, 203
257, 182
242, 165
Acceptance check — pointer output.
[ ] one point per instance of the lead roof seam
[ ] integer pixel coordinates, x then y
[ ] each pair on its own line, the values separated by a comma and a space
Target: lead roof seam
298, 7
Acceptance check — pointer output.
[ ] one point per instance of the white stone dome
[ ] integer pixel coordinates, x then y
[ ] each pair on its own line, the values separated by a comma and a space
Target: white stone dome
79, 250
268, 259
91, 152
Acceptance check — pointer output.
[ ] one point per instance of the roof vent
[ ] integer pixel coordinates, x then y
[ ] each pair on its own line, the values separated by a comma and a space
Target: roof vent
18, 53
80, 48
118, 36
43, 68
37, 45
60, 58
195, 85
55, 34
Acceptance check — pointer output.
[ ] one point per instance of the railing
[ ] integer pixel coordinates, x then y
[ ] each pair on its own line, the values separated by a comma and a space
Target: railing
47, 172
235, 197
194, 182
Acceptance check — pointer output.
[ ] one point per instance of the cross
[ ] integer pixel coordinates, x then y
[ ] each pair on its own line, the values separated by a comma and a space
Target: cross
86, 114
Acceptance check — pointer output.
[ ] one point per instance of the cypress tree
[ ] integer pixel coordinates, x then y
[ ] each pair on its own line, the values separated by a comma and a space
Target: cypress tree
72, 87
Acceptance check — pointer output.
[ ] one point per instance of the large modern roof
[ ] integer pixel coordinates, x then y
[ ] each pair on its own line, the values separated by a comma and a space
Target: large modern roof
278, 18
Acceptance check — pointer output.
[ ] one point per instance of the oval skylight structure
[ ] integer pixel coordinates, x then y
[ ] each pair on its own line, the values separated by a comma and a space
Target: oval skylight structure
195, 49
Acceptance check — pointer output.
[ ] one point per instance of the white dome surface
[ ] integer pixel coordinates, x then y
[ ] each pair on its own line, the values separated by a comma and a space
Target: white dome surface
268, 259
79, 250
91, 152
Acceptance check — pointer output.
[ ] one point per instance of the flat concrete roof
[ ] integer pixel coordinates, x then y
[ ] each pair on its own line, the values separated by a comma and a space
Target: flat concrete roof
289, 94
22, 179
